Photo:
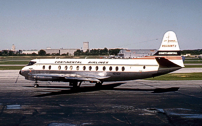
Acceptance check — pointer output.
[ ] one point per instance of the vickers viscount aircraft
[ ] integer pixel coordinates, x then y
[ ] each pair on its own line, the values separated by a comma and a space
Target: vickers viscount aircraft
75, 71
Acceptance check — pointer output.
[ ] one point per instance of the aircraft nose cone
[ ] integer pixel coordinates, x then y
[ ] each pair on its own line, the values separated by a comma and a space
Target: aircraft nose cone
20, 72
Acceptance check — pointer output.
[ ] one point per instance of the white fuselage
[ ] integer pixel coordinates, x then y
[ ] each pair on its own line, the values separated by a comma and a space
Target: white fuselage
112, 69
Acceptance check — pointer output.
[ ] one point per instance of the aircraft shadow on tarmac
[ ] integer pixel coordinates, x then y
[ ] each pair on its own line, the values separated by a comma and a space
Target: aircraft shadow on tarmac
114, 86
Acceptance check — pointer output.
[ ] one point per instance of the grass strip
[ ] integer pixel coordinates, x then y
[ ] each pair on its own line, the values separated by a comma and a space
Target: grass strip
14, 62
11, 67
193, 61
178, 76
193, 66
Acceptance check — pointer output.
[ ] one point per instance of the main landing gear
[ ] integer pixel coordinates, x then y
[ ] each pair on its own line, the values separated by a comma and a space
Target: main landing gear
36, 84
98, 84
75, 84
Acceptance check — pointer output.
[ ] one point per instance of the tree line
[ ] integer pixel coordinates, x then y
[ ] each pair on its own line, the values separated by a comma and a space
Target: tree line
79, 52
19, 53
192, 52
104, 51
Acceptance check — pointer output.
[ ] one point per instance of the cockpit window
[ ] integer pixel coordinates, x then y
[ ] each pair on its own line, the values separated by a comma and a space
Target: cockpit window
31, 63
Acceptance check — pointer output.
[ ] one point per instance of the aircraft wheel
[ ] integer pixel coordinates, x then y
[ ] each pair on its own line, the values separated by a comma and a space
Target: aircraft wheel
74, 84
36, 85
98, 84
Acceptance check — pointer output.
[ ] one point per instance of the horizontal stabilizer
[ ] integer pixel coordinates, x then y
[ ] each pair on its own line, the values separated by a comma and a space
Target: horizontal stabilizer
165, 63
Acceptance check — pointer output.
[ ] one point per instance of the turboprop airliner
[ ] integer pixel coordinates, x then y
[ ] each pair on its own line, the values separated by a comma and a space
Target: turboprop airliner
75, 71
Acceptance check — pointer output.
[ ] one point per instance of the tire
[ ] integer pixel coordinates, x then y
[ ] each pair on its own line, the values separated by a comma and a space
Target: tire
36, 85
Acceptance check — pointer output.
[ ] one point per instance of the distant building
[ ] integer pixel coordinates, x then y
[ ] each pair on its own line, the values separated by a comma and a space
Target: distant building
85, 46
13, 48
187, 55
52, 51
60, 51
29, 51
69, 51
200, 56
135, 53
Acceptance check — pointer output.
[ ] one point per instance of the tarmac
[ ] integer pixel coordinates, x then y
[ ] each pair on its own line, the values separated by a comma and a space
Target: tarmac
128, 103
189, 70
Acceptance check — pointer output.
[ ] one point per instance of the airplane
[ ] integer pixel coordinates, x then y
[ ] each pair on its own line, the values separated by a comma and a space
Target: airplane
75, 71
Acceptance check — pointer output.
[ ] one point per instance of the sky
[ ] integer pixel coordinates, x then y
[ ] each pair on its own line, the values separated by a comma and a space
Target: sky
133, 24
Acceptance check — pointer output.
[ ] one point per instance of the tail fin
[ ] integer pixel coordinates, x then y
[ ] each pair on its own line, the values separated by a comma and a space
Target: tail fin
169, 45
170, 50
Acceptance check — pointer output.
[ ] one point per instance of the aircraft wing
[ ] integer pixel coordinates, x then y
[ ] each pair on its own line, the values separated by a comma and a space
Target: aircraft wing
68, 77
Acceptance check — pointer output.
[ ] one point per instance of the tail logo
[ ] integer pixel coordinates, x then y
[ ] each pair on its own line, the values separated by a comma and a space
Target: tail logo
168, 45
169, 41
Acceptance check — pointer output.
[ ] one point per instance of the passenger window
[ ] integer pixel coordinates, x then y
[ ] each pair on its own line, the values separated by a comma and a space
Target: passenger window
84, 67
117, 68
43, 67
110, 68
90, 68
77, 68
59, 67
123, 68
71, 67
49, 67
66, 67
104, 68
96, 68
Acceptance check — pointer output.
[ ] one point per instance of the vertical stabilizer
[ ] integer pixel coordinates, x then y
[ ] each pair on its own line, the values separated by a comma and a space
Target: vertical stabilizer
169, 45
169, 42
